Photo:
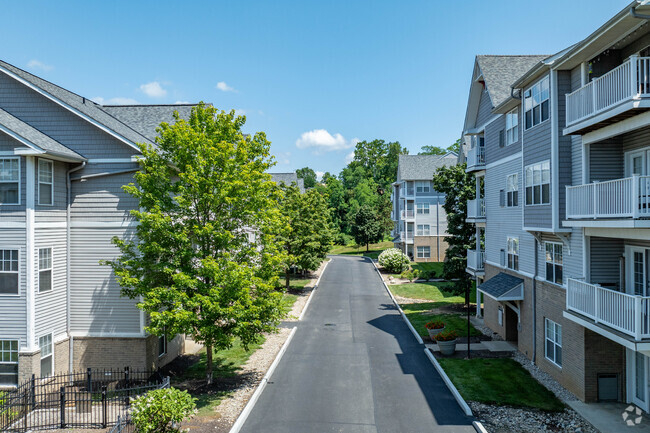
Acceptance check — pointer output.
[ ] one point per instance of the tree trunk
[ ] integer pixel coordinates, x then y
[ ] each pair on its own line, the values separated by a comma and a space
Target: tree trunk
367, 246
287, 277
208, 366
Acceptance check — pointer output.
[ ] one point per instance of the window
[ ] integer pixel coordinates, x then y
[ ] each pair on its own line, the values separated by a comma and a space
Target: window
44, 269
424, 252
513, 254
538, 183
45, 182
9, 181
553, 336
45, 343
8, 272
8, 362
423, 208
512, 126
554, 262
422, 186
424, 230
162, 345
536, 103
512, 190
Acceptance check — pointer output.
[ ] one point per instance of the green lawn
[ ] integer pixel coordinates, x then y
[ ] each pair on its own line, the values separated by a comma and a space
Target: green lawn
375, 249
226, 363
418, 315
501, 381
432, 291
433, 266
287, 301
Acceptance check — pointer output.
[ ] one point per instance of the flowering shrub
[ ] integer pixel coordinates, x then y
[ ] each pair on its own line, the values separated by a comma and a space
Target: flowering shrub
162, 410
393, 260
434, 325
447, 336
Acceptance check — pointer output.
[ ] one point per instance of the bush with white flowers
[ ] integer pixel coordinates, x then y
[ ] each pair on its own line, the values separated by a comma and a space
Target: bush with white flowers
394, 260
162, 410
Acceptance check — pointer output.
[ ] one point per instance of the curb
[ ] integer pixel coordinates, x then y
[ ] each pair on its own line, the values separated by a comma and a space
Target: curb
408, 322
243, 416
313, 289
461, 402
479, 427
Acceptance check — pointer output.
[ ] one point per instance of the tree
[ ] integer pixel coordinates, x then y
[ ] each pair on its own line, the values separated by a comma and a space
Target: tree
432, 150
207, 255
459, 187
308, 175
326, 176
308, 235
367, 227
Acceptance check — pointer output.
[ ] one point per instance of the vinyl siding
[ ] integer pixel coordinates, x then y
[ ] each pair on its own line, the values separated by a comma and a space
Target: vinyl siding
56, 212
604, 262
576, 140
605, 161
492, 150
565, 151
62, 125
13, 318
484, 109
536, 148
571, 255
50, 307
102, 198
96, 304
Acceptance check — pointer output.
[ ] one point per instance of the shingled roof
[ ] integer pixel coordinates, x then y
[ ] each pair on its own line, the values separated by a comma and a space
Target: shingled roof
499, 72
288, 179
423, 167
503, 287
146, 118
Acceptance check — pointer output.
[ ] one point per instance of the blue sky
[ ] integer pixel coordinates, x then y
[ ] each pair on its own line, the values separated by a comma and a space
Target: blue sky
314, 75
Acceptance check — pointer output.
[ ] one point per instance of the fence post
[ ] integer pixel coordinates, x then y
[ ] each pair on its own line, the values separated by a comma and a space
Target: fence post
33, 391
90, 380
104, 407
128, 386
63, 407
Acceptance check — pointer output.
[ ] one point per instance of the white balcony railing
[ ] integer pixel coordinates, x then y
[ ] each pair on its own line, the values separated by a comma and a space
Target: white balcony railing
406, 237
619, 198
476, 260
626, 313
476, 157
408, 214
631, 80
476, 208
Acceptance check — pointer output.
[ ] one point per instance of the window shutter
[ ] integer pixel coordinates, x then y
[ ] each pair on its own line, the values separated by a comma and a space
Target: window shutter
502, 198
502, 140
515, 198
503, 257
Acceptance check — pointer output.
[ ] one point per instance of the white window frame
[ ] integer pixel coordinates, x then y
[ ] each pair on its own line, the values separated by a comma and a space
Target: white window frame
45, 269
423, 255
555, 341
512, 253
44, 355
510, 192
554, 262
162, 339
2, 266
423, 208
423, 231
46, 183
512, 126
422, 186
2, 159
6, 343
533, 181
535, 96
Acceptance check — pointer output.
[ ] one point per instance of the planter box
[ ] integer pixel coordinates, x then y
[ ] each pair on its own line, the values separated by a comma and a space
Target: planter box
434, 332
447, 347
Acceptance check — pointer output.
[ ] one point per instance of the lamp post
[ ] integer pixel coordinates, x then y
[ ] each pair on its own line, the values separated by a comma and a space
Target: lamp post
468, 322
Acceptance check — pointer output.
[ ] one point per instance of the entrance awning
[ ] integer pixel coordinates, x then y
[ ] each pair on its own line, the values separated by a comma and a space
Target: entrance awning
503, 287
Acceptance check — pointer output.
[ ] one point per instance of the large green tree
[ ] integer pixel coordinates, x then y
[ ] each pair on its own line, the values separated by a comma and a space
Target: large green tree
459, 187
207, 254
367, 227
308, 175
435, 150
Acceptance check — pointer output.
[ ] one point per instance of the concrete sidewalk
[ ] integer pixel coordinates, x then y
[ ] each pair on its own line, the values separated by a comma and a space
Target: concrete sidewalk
492, 346
613, 417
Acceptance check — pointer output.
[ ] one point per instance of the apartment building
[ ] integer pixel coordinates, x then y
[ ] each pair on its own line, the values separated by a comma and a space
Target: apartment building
418, 213
63, 162
566, 259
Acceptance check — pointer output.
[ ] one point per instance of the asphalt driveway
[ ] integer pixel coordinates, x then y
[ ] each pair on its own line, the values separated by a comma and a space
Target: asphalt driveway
354, 366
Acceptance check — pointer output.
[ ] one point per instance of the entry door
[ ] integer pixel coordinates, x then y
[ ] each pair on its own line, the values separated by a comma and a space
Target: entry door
640, 380
638, 272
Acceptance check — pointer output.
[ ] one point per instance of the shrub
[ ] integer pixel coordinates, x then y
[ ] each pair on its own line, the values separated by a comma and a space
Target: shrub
393, 260
162, 410
411, 274
437, 324
340, 239
447, 336
428, 274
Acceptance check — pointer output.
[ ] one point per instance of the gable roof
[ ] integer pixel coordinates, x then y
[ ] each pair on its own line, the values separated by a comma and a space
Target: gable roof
423, 167
146, 118
31, 137
288, 179
77, 104
499, 72
503, 287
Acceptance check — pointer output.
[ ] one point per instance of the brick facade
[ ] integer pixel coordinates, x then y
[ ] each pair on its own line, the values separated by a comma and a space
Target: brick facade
437, 244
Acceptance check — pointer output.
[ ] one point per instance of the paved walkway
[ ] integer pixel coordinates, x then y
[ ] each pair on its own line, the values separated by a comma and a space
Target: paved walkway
354, 367
613, 417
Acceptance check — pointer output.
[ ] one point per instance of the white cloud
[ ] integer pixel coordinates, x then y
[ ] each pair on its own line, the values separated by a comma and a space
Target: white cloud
153, 90
221, 85
182, 102
115, 101
37, 64
322, 141
240, 112
319, 175
349, 157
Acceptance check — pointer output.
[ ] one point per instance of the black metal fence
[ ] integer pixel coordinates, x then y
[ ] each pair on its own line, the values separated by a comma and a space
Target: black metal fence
93, 399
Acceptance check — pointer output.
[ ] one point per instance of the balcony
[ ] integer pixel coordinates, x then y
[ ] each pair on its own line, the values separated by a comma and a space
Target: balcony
619, 311
627, 198
475, 262
406, 237
476, 159
408, 214
476, 211
609, 98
